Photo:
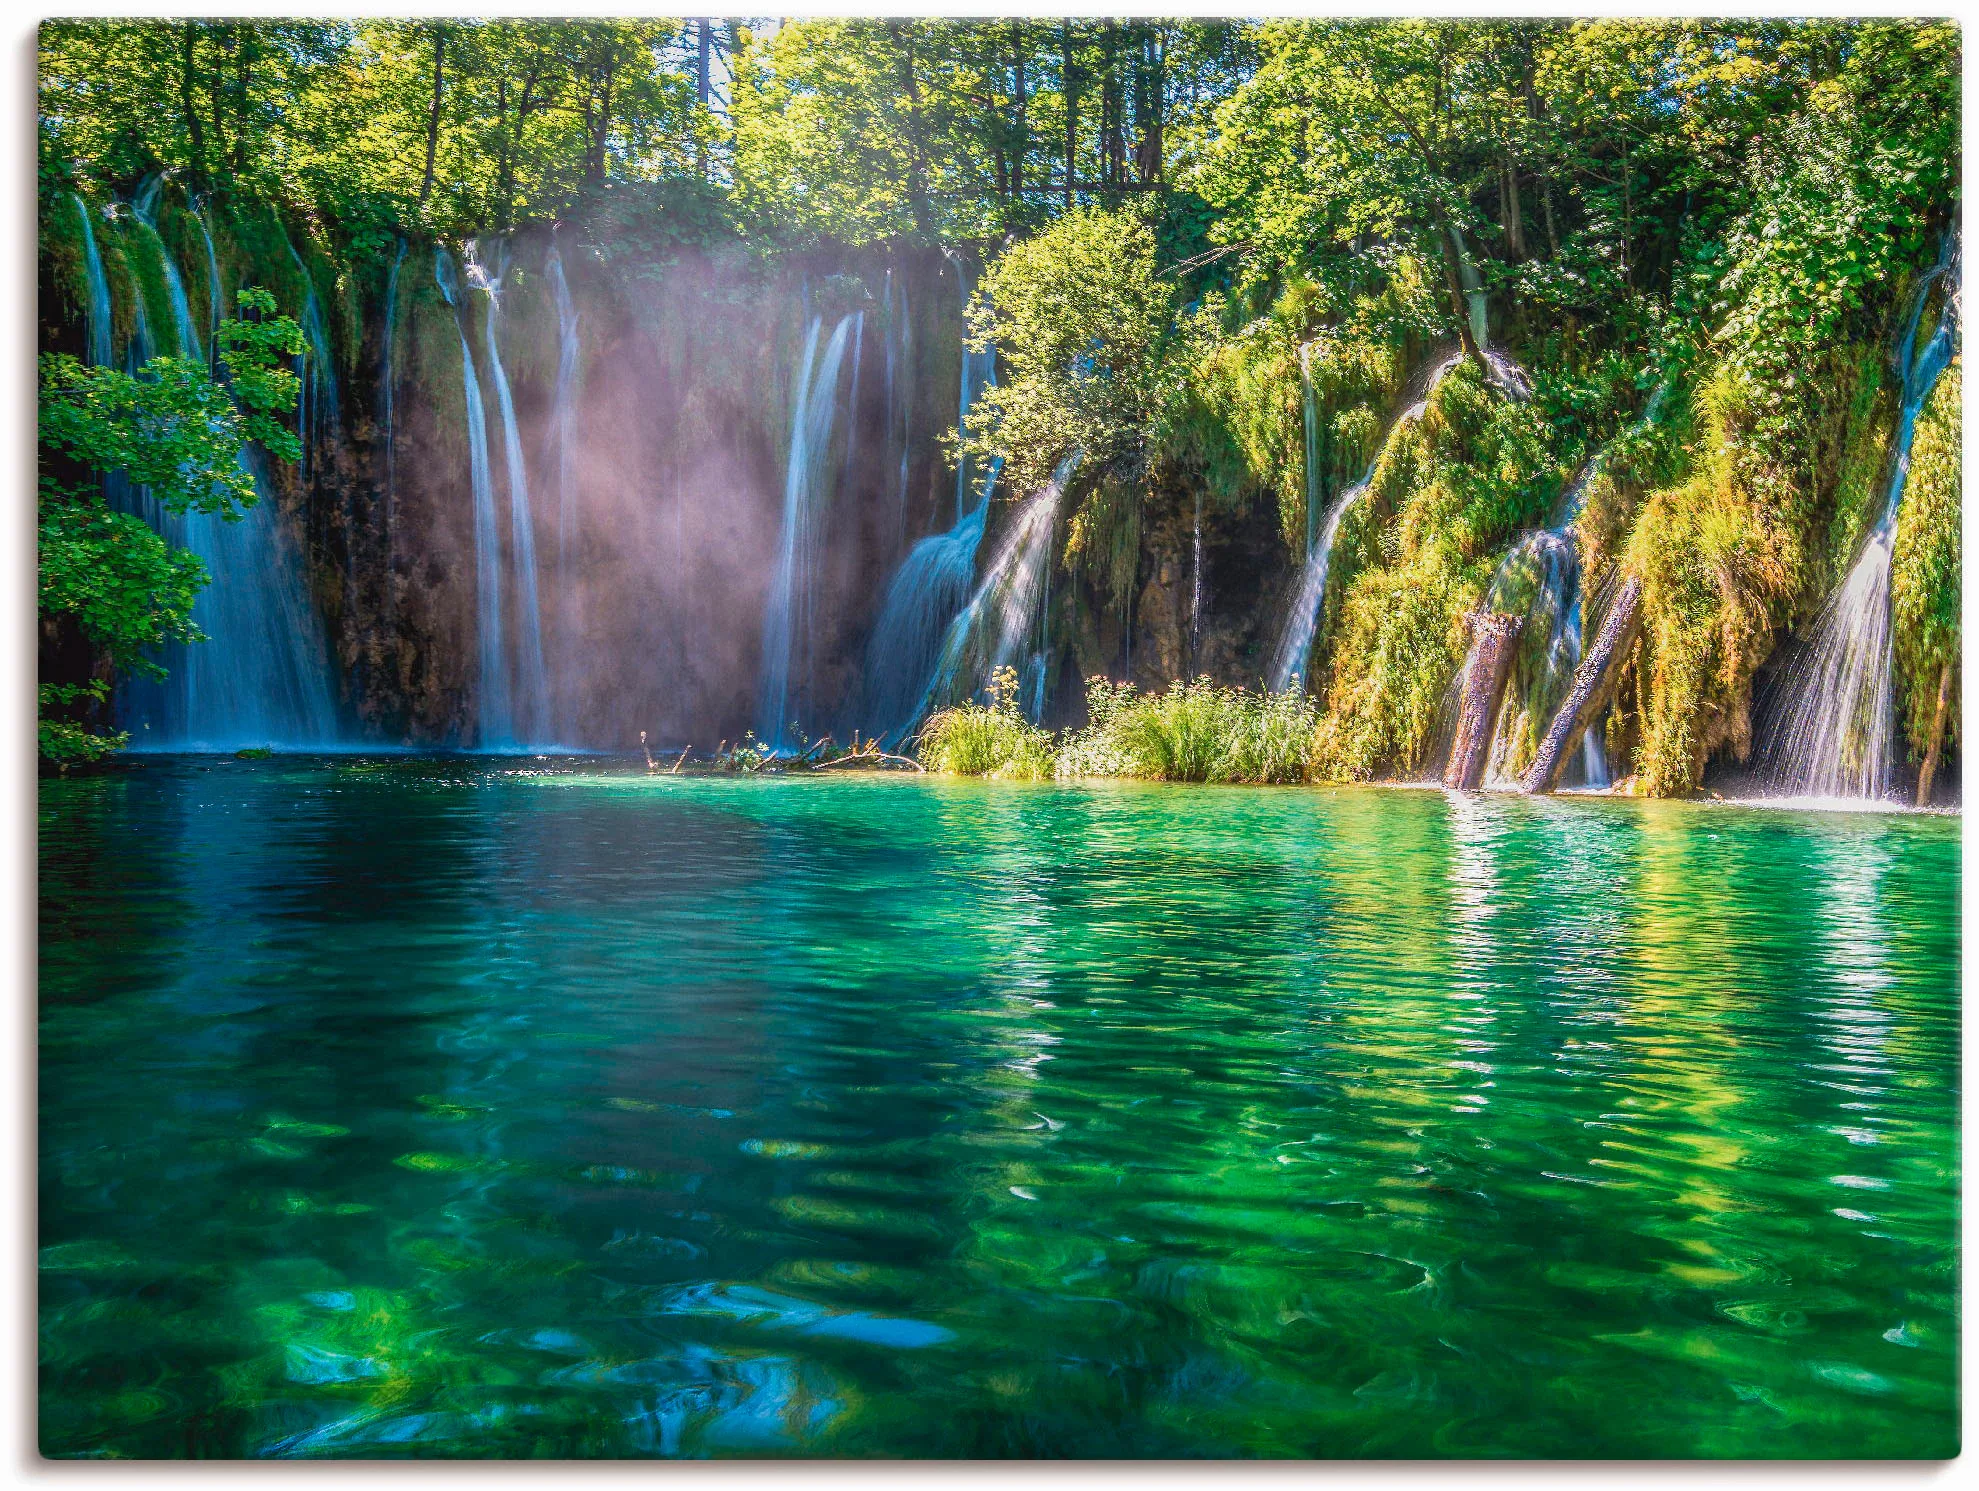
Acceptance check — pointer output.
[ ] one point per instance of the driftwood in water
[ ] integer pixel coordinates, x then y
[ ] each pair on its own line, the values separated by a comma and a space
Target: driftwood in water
1930, 769
1593, 681
1494, 639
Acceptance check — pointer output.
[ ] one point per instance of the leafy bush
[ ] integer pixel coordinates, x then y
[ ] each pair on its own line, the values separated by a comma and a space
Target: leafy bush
1193, 732
987, 740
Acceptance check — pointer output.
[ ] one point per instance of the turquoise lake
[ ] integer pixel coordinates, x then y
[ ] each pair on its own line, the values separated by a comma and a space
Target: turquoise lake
415, 1106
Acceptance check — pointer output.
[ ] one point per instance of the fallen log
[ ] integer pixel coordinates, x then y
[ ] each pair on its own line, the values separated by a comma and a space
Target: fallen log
1588, 694
1494, 641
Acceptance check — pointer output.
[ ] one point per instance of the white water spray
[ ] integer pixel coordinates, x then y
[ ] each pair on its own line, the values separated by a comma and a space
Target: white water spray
1833, 733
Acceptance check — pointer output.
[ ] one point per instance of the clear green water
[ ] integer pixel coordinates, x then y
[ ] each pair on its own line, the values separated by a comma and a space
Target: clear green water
447, 1108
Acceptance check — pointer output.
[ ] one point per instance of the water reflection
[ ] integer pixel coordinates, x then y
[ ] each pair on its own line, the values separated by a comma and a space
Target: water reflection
425, 1108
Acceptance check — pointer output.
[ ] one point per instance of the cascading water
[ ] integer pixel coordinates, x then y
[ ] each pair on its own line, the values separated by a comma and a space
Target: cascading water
932, 584
899, 411
1539, 582
101, 352
388, 381
978, 371
1008, 607
1196, 582
563, 434
1288, 661
927, 591
261, 677
852, 394
532, 683
806, 492
1833, 731
497, 717
317, 419
215, 297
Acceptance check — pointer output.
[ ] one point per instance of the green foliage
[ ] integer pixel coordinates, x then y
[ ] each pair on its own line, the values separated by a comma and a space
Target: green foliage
1080, 319
1924, 581
1254, 380
1191, 732
126, 589
170, 430
64, 743
1413, 560
987, 740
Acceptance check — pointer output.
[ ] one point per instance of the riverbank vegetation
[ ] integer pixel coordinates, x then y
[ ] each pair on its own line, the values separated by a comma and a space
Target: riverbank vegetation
125, 458
1219, 263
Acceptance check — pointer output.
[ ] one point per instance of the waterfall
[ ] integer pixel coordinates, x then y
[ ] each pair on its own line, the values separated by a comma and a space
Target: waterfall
1008, 608
532, 687
261, 676
1196, 582
388, 382
318, 414
497, 717
806, 491
852, 394
1539, 583
929, 588
1833, 731
1288, 662
899, 411
101, 352
978, 370
1540, 580
932, 584
563, 433
1309, 407
215, 297
563, 417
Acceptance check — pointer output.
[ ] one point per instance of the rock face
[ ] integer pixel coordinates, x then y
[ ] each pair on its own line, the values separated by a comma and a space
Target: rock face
651, 404
655, 506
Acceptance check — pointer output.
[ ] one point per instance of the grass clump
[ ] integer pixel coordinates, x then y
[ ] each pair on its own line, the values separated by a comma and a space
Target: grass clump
987, 740
1193, 732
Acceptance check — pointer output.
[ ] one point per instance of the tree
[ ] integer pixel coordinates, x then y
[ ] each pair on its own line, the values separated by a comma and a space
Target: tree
1081, 321
171, 429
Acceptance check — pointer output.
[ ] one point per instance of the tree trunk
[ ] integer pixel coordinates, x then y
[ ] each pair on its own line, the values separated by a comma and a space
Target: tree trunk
1020, 144
433, 113
1452, 257
1928, 775
1152, 111
243, 73
1514, 214
1594, 681
1494, 641
1070, 85
704, 47
910, 84
195, 130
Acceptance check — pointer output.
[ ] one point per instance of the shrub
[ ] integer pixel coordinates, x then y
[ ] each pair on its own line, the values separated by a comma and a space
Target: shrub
987, 740
1193, 732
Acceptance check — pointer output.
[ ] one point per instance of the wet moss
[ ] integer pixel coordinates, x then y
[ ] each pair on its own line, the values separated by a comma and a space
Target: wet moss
1924, 581
1413, 561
